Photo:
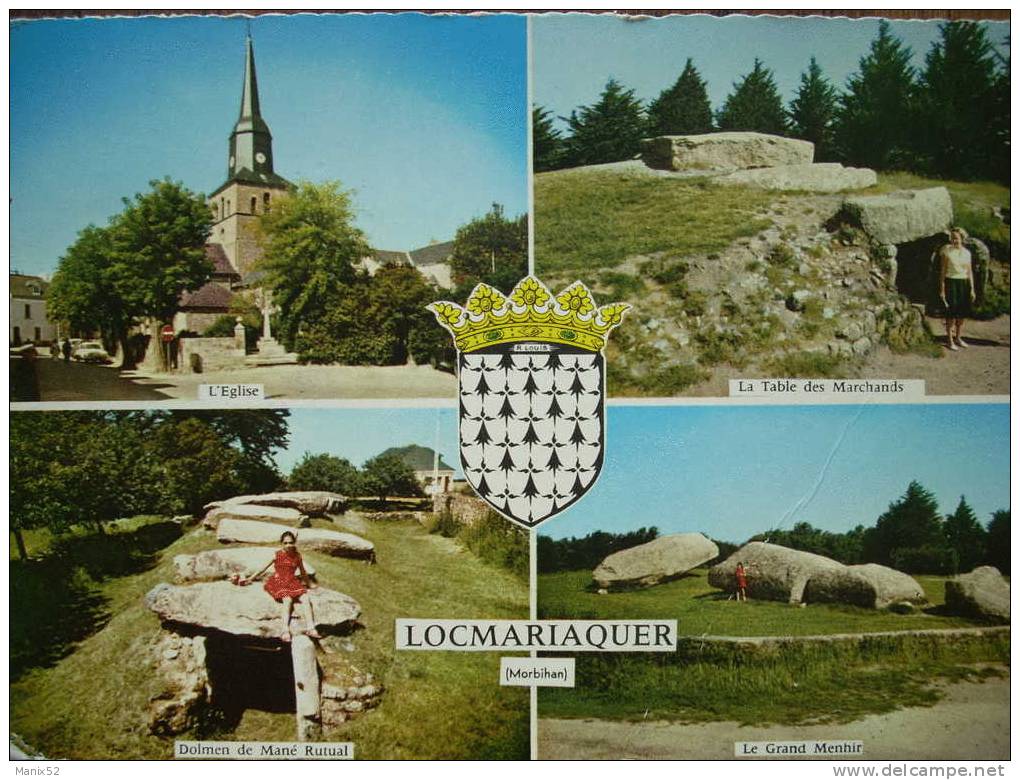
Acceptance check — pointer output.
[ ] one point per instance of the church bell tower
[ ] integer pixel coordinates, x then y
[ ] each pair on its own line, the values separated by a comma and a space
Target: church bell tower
251, 184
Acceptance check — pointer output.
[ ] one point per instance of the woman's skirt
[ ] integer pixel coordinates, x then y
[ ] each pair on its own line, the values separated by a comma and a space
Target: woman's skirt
957, 298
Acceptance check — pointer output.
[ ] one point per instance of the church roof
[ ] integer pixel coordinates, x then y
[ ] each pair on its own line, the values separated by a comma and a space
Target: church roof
221, 264
209, 296
417, 457
246, 176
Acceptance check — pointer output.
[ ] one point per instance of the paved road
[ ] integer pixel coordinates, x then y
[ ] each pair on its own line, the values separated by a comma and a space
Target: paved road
60, 381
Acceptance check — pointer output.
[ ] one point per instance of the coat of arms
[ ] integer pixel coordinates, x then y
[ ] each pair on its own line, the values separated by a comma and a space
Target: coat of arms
532, 394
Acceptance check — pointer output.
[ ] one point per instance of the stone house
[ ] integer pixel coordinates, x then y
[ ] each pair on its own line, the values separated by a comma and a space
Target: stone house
28, 311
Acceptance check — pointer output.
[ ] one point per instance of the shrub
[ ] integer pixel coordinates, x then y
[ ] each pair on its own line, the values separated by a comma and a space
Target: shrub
806, 365
622, 286
498, 541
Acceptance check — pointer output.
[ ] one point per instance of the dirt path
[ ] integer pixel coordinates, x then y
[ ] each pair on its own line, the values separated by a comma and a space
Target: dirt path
970, 722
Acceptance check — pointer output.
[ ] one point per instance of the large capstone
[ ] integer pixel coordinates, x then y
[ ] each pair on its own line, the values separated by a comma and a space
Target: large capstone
309, 502
866, 585
654, 562
773, 572
725, 151
981, 594
899, 217
263, 514
220, 564
809, 177
333, 543
243, 611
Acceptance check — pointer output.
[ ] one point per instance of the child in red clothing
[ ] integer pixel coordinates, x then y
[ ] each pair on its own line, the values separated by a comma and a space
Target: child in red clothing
285, 587
741, 575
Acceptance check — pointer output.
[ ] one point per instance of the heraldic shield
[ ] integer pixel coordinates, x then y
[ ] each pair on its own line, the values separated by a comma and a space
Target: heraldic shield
532, 392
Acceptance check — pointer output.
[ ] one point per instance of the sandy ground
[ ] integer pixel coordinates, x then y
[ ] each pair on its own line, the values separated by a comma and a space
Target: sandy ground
59, 381
981, 369
970, 722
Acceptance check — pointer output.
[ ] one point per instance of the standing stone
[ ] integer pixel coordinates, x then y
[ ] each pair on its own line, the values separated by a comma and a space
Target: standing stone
306, 688
774, 572
654, 562
981, 594
866, 585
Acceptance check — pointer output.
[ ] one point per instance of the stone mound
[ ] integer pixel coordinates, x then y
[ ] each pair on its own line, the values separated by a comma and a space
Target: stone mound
725, 151
899, 217
220, 564
262, 514
654, 562
309, 502
247, 611
810, 177
333, 543
774, 572
981, 594
865, 585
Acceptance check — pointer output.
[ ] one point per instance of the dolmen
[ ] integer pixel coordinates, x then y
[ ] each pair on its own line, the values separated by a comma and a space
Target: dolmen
333, 543
315, 503
982, 594
778, 573
654, 562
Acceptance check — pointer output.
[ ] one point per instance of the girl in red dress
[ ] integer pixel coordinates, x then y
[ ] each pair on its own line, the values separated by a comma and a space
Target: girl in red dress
741, 575
285, 587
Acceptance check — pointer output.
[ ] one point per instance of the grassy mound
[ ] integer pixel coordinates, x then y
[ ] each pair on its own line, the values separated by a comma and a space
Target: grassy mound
93, 702
832, 682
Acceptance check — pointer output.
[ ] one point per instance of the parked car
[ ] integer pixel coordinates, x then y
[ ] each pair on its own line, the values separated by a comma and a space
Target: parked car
27, 351
91, 352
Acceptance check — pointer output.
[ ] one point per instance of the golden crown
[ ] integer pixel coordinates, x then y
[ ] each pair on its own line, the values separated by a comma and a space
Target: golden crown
529, 313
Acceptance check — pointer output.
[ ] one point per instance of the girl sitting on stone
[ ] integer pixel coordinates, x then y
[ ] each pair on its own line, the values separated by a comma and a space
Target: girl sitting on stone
285, 587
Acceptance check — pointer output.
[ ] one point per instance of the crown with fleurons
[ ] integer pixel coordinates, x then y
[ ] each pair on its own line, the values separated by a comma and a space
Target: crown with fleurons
529, 313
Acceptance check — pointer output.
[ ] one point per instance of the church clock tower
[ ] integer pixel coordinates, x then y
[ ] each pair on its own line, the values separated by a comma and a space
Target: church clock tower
251, 184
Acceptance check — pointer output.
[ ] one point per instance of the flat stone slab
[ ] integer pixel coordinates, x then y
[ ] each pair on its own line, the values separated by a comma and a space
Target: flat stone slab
810, 177
243, 611
309, 502
902, 216
654, 562
262, 514
864, 585
725, 151
774, 572
220, 564
333, 543
982, 594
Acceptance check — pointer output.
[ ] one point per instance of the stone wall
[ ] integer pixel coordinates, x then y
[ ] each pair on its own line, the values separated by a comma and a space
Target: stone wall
467, 509
204, 354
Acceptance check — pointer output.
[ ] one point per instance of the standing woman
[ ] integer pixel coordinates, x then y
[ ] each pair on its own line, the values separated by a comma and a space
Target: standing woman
285, 587
956, 286
741, 575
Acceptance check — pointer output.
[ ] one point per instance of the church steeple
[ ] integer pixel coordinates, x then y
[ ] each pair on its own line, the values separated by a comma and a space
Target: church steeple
251, 143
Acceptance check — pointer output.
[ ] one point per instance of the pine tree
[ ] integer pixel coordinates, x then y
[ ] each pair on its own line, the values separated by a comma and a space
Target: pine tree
965, 536
754, 104
813, 111
965, 132
606, 131
998, 541
547, 143
683, 109
877, 120
910, 524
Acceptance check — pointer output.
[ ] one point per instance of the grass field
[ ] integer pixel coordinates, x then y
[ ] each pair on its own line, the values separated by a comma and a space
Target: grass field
798, 683
90, 699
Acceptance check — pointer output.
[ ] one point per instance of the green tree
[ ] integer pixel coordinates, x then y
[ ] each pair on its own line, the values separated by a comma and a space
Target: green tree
754, 105
490, 249
311, 250
877, 119
159, 252
609, 130
911, 523
683, 109
388, 475
813, 111
998, 541
546, 141
964, 129
965, 536
325, 472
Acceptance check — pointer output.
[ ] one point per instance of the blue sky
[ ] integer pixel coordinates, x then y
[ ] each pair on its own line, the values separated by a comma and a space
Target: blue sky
731, 472
575, 55
424, 117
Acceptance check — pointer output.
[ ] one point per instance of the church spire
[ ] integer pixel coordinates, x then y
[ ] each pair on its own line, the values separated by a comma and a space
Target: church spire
251, 143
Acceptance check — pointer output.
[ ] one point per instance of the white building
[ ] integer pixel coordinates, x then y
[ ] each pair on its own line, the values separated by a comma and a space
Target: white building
28, 311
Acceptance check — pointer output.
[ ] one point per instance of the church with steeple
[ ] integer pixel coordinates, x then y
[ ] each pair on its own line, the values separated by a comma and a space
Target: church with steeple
251, 187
